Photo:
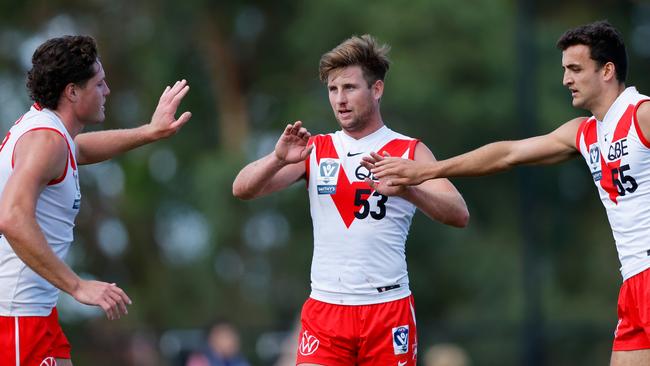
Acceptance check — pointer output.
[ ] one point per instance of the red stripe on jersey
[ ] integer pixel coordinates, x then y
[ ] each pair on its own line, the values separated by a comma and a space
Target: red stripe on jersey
609, 169
581, 130
642, 137
19, 119
344, 198
412, 145
397, 148
307, 161
590, 133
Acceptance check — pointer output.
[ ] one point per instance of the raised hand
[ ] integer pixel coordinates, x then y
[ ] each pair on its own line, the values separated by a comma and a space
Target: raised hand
395, 171
112, 299
163, 121
292, 145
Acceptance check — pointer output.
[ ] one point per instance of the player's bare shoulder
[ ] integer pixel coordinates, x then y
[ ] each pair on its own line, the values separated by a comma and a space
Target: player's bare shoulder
423, 153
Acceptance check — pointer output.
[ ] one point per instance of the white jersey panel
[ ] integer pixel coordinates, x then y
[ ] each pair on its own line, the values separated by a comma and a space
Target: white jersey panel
618, 157
359, 235
22, 291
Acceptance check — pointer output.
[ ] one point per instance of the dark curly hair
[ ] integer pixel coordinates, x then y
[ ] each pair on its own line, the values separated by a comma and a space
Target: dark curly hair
605, 45
58, 62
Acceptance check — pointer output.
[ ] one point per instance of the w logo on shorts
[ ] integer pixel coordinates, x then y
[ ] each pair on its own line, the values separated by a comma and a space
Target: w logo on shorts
49, 361
308, 344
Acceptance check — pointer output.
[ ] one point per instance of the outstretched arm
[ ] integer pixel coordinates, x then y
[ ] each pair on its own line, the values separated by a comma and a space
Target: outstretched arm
40, 157
278, 170
437, 198
552, 148
93, 147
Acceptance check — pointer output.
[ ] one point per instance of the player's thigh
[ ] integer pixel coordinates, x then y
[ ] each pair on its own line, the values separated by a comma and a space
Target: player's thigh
63, 362
630, 358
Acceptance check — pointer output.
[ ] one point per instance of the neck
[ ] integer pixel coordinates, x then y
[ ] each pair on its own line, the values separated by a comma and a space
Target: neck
605, 103
373, 124
71, 124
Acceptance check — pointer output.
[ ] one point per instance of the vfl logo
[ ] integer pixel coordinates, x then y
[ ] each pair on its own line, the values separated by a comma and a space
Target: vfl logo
49, 361
594, 162
329, 168
594, 154
401, 339
328, 175
308, 344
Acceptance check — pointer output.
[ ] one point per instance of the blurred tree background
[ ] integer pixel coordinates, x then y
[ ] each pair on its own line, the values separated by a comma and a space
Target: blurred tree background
534, 278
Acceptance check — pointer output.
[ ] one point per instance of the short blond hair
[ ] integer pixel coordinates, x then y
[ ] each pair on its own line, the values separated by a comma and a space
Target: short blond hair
363, 51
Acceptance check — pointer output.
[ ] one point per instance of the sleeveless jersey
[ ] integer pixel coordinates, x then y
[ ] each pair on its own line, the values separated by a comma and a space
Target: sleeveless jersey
22, 291
359, 235
618, 157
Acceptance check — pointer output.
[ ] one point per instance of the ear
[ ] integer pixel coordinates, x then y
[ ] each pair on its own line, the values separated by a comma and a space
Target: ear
378, 89
70, 92
609, 71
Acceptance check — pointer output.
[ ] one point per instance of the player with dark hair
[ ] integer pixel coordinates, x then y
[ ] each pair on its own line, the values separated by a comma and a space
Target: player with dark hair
615, 145
40, 195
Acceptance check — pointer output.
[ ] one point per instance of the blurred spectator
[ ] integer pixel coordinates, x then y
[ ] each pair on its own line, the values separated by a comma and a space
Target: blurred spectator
142, 350
289, 346
446, 354
222, 348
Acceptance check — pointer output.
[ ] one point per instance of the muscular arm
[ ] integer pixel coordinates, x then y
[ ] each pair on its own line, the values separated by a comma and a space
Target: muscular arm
39, 157
552, 148
33, 170
93, 147
278, 170
265, 176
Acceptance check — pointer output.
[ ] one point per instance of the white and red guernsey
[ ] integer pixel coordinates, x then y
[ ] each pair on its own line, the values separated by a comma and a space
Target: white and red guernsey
618, 156
359, 234
22, 291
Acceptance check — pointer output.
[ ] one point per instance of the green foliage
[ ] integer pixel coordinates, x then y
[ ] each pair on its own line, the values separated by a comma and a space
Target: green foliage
451, 84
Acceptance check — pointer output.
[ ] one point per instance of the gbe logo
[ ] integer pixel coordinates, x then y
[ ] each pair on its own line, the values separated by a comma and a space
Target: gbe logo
308, 344
49, 361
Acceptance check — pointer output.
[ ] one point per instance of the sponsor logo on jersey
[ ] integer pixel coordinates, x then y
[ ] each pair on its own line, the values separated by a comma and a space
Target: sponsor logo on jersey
308, 344
594, 162
401, 363
401, 339
362, 173
328, 176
